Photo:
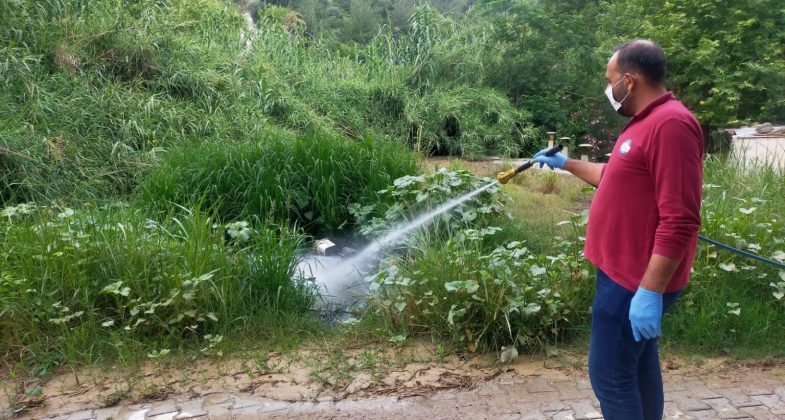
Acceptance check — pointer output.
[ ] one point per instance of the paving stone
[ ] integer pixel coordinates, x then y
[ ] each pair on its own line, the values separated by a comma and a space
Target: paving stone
502, 404
701, 392
563, 415
753, 391
138, 414
191, 409
750, 403
539, 385
81, 415
240, 403
773, 402
107, 413
584, 384
164, 416
672, 387
248, 410
676, 396
761, 396
270, 407
218, 410
585, 410
443, 395
724, 408
689, 404
216, 399
737, 399
704, 414
489, 389
568, 390
553, 407
517, 393
760, 413
740, 415
164, 407
675, 413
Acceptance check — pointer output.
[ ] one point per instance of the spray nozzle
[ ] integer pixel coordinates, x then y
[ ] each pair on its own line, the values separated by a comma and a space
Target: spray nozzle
504, 177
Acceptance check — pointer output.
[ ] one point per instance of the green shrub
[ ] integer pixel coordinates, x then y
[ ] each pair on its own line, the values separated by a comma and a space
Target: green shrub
456, 280
308, 180
469, 122
481, 300
412, 196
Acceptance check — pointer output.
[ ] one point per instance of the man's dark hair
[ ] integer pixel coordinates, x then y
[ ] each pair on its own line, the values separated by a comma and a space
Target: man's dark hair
643, 56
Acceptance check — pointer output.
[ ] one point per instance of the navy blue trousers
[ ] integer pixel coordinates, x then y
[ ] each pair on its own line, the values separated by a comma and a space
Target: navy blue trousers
625, 374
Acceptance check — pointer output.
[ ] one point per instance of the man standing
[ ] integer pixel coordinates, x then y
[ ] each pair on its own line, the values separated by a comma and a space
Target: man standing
643, 229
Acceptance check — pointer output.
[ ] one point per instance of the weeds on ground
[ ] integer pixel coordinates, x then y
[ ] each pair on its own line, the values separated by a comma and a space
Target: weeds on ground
734, 305
97, 283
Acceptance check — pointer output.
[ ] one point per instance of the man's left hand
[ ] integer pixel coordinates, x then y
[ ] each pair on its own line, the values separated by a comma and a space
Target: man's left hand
645, 314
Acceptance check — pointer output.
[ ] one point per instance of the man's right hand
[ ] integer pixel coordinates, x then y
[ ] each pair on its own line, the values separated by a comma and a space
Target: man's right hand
556, 161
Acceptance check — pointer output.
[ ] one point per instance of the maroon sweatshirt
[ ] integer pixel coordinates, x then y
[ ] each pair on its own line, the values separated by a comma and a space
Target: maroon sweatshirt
649, 196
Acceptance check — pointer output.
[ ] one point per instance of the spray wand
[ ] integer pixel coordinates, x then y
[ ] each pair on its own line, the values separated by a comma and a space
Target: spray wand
504, 177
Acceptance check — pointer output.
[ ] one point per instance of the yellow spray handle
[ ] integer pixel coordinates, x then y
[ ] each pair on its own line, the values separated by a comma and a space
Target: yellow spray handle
504, 177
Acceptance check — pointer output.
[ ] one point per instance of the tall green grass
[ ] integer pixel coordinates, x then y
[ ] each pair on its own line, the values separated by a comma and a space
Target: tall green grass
107, 283
308, 180
730, 304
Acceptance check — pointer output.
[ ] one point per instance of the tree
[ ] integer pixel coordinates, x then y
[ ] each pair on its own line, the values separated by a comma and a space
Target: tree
726, 58
548, 65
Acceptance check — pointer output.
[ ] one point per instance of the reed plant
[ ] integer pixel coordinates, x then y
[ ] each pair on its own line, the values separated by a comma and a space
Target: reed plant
308, 180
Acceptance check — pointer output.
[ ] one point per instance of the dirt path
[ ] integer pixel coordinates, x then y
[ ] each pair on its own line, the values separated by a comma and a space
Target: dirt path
410, 383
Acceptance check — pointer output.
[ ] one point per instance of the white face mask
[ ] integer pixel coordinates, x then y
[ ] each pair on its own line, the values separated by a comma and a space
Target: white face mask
609, 93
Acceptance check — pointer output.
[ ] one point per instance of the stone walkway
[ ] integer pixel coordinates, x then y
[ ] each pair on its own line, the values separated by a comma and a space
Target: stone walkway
736, 394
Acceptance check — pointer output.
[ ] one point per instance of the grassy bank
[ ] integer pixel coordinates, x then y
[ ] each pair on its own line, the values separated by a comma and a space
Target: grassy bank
96, 92
107, 283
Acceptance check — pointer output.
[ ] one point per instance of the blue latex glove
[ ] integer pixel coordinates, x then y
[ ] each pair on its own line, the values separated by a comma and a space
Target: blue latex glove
645, 314
556, 161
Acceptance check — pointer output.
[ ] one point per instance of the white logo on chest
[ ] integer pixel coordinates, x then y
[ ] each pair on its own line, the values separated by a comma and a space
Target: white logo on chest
625, 147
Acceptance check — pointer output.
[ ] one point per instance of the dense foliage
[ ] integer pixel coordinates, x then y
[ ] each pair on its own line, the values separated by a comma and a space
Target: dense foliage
726, 60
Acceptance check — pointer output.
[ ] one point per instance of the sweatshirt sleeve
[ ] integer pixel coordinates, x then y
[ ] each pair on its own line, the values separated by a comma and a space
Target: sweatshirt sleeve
675, 160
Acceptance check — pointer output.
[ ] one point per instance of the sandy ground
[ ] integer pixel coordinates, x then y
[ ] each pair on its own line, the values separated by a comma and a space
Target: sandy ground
309, 374
323, 375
